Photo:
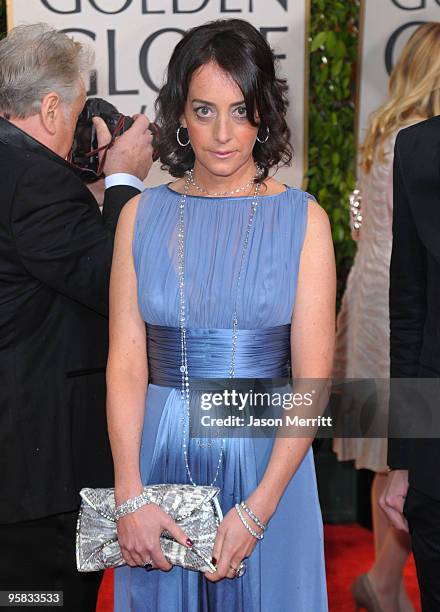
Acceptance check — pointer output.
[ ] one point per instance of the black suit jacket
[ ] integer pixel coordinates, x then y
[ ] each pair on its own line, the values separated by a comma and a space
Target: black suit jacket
415, 287
55, 257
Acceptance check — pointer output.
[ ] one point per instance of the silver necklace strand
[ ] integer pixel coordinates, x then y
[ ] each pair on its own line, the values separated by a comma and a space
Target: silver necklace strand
184, 391
243, 252
246, 187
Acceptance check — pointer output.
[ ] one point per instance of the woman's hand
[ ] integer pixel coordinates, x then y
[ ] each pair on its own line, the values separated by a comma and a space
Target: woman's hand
139, 533
234, 543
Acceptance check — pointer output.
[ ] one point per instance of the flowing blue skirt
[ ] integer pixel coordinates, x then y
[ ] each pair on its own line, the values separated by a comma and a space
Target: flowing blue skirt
286, 570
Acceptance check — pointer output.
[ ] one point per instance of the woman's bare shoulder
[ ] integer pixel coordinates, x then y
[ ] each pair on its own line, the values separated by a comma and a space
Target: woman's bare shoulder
318, 223
128, 213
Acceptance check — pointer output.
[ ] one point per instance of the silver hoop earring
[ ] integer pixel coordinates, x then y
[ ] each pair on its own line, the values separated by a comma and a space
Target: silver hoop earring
182, 144
267, 136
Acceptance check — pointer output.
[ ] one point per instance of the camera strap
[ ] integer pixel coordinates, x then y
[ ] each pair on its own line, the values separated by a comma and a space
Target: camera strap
117, 131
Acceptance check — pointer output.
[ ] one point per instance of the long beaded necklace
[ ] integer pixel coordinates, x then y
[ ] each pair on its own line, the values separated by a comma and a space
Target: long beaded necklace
184, 392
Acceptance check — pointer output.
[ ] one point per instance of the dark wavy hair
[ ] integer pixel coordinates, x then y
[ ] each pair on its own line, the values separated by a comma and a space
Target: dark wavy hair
241, 51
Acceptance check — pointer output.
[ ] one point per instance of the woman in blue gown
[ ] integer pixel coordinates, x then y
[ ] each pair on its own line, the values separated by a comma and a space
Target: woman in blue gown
252, 248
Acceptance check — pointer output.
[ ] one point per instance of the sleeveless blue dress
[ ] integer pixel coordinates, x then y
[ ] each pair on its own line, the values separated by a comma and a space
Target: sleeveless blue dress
286, 570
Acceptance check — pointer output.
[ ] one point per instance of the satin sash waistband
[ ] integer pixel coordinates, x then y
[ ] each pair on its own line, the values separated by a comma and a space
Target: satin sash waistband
260, 353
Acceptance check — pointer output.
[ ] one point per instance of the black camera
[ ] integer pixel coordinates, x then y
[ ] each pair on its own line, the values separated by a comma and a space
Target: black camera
84, 155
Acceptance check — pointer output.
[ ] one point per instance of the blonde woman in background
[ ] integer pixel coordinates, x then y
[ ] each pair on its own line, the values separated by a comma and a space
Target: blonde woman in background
362, 346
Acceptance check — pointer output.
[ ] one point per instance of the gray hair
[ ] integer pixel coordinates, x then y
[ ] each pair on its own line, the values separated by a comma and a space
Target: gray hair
35, 60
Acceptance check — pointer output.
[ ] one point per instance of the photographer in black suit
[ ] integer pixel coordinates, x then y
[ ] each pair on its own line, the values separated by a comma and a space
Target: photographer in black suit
56, 251
413, 494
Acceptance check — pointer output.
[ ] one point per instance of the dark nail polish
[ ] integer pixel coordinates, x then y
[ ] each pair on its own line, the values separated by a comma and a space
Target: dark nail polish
214, 561
189, 542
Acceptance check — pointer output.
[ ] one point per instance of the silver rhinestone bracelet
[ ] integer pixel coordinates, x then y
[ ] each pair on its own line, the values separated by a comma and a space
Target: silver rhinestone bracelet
131, 505
257, 536
253, 516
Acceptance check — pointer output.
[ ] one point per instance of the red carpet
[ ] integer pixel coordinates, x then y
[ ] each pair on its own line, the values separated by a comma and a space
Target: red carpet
105, 599
349, 552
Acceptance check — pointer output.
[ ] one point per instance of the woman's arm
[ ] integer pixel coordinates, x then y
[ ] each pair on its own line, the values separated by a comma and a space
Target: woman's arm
127, 378
127, 372
312, 342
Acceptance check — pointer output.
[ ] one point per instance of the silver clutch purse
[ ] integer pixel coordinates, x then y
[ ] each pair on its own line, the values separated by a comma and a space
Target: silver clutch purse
195, 509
